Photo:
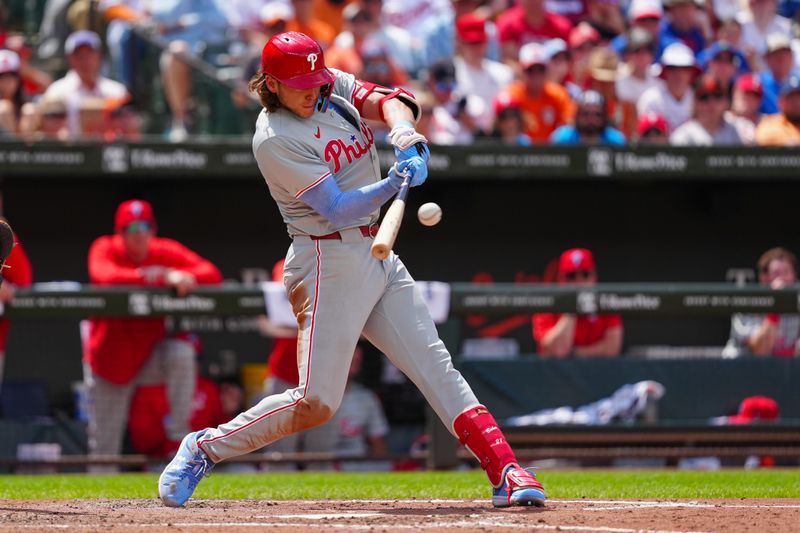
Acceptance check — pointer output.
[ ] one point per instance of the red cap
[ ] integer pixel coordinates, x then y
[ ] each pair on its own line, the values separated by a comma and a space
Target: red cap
296, 60
650, 121
131, 211
471, 28
755, 408
581, 34
576, 259
750, 83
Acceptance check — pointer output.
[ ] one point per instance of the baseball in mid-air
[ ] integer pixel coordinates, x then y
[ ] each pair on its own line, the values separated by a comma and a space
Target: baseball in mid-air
429, 214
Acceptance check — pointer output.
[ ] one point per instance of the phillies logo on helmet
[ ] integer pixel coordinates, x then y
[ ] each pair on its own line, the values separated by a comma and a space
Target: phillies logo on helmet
337, 148
312, 58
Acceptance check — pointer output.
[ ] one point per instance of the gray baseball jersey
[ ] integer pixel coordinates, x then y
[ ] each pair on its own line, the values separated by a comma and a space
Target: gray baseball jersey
338, 291
295, 154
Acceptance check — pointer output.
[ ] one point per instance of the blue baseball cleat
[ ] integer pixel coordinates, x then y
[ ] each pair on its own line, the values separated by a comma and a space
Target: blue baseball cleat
184, 472
520, 487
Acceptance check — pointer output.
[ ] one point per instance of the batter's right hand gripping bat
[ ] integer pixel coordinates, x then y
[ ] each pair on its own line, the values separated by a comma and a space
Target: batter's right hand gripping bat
6, 244
390, 224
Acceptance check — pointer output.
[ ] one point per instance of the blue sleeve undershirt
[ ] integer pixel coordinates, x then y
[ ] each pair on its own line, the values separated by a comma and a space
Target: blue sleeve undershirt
342, 208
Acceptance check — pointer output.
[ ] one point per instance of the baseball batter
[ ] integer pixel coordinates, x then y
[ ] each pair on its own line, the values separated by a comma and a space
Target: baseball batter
321, 166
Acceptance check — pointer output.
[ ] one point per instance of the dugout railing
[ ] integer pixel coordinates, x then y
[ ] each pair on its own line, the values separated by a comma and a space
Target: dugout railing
679, 435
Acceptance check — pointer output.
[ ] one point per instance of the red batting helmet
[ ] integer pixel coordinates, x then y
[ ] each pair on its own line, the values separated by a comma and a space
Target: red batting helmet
296, 60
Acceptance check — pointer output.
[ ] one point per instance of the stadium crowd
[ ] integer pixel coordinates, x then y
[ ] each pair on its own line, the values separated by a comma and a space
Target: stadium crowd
683, 72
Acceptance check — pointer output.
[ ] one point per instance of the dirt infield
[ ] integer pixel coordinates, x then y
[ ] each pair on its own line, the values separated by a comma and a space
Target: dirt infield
774, 516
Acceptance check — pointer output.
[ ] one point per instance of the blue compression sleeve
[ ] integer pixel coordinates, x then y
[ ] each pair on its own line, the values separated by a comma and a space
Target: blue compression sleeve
340, 207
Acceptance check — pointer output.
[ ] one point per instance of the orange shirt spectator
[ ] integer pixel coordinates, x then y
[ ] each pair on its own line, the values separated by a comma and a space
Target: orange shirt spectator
306, 22
777, 130
545, 105
331, 12
783, 129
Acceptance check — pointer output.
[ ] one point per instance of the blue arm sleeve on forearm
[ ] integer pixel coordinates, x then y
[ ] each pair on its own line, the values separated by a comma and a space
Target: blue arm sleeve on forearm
340, 207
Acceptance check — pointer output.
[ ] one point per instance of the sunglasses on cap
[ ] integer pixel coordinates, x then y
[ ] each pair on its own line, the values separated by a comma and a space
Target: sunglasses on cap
705, 97
535, 69
140, 226
653, 132
578, 274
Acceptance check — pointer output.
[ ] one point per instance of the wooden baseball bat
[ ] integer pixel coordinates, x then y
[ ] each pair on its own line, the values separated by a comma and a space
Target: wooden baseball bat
390, 224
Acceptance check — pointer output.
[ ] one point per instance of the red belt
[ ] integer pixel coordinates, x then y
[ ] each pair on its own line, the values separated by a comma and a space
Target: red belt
366, 231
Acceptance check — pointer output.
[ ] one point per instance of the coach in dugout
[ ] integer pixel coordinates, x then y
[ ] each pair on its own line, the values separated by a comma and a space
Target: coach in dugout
562, 335
15, 273
122, 353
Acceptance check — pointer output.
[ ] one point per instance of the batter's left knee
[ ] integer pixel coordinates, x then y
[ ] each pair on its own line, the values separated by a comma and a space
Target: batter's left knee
311, 412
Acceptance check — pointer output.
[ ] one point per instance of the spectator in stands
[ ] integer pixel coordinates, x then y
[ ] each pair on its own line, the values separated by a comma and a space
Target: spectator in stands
529, 21
603, 74
438, 33
121, 353
305, 22
771, 334
562, 335
745, 108
11, 98
361, 24
583, 38
673, 99
545, 106
559, 67
17, 274
273, 18
331, 11
454, 116
605, 16
191, 31
475, 74
83, 91
509, 126
710, 125
683, 25
759, 23
780, 65
378, 66
636, 75
652, 129
645, 15
150, 410
783, 129
410, 15
34, 80
591, 124
724, 62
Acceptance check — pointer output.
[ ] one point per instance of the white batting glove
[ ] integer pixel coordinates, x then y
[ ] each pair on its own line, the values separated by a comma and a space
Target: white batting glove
403, 136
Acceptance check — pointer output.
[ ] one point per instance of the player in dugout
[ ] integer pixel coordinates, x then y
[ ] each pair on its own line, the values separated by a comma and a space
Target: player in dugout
321, 166
15, 271
122, 353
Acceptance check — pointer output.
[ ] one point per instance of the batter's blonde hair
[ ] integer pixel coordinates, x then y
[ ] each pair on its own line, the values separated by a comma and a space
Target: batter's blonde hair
258, 86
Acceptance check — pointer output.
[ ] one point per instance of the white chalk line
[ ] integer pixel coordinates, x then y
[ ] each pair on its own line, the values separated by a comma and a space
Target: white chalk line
429, 525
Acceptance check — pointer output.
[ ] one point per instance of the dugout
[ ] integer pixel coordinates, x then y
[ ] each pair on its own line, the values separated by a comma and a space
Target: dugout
650, 215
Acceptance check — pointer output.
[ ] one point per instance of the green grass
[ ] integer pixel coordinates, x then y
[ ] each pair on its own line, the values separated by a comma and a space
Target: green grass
592, 484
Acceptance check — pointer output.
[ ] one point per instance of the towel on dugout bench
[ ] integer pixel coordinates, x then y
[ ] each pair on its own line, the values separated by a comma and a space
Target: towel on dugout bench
435, 293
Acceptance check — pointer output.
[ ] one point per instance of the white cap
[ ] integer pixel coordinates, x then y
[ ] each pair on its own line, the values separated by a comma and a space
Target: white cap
9, 61
82, 38
532, 54
645, 8
677, 55
554, 47
275, 11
